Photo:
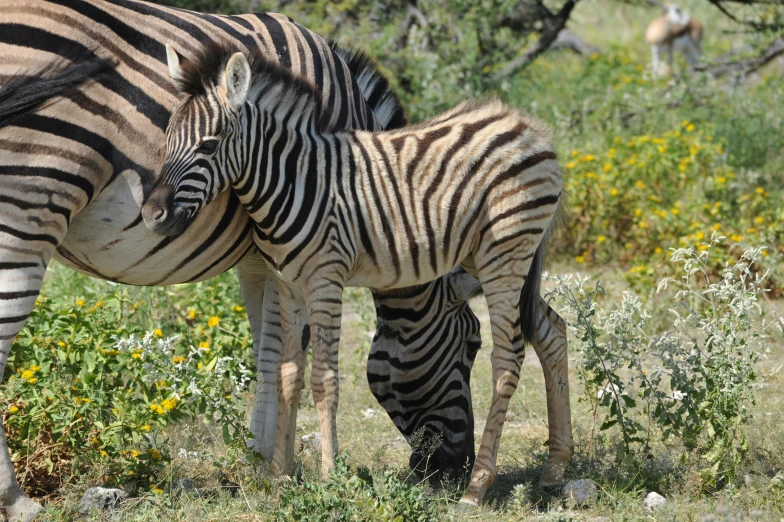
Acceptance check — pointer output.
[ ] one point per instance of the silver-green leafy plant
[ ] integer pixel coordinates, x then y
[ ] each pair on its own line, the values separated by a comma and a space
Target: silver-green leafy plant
694, 382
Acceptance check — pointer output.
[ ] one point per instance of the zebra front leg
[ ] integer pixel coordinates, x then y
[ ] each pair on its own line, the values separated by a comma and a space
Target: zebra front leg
550, 346
503, 297
290, 372
325, 309
22, 268
265, 330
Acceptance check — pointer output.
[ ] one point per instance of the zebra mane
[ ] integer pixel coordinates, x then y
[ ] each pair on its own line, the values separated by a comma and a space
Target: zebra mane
273, 87
375, 87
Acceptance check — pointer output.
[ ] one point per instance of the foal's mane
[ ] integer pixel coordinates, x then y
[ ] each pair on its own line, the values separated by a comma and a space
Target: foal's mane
273, 86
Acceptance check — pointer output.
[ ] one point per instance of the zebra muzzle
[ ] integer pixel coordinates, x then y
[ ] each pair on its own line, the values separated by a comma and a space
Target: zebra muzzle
162, 215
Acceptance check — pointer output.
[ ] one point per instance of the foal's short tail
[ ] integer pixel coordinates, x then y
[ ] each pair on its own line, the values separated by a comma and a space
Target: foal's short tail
529, 309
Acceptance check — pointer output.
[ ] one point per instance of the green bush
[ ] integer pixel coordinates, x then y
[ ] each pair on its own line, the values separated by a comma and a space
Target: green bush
86, 387
694, 383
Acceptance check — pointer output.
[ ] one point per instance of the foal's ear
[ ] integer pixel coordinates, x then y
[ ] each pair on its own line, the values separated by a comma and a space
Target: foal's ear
236, 79
173, 60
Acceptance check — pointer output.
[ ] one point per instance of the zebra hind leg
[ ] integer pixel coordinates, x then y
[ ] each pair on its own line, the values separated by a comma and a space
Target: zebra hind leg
550, 345
22, 269
502, 293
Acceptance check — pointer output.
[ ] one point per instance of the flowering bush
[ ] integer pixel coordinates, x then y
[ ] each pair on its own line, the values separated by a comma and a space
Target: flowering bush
638, 197
86, 388
694, 382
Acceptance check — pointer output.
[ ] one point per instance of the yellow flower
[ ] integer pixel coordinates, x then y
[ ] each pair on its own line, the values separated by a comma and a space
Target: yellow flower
146, 427
35, 368
154, 453
37, 301
658, 250
589, 157
157, 491
13, 409
169, 404
104, 454
61, 344
157, 332
571, 165
136, 355
607, 167
213, 321
721, 180
238, 309
80, 303
613, 191
192, 313
759, 190
601, 239
86, 400
703, 247
675, 211
638, 212
157, 408
759, 220
640, 185
662, 148
690, 127
27, 375
33, 380
716, 227
580, 259
177, 359
204, 344
135, 453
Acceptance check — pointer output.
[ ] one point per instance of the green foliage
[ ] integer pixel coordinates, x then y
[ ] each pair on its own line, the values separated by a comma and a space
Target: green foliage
356, 495
694, 383
85, 385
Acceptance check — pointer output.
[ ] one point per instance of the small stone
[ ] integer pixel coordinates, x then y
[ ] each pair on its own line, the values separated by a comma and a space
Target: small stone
311, 441
101, 498
185, 486
654, 501
370, 413
580, 491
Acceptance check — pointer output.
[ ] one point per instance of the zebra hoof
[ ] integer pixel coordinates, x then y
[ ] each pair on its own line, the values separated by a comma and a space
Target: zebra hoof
23, 509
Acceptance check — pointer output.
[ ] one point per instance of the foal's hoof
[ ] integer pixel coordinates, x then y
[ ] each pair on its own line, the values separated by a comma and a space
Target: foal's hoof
465, 506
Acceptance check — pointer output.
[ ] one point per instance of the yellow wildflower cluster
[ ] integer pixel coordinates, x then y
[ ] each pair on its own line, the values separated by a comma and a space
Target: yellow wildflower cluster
29, 375
213, 321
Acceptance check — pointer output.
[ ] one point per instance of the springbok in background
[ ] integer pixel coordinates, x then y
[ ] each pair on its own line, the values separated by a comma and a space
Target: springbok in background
674, 29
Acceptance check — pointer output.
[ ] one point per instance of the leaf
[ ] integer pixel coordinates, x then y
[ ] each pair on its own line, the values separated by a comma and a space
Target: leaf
226, 434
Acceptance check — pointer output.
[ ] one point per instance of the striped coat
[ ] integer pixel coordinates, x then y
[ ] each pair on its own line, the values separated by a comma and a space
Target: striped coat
477, 186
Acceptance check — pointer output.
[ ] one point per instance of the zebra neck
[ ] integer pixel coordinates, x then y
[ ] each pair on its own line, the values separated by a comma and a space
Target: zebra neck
284, 180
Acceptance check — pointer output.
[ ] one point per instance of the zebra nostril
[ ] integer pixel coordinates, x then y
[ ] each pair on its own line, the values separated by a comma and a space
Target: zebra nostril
160, 216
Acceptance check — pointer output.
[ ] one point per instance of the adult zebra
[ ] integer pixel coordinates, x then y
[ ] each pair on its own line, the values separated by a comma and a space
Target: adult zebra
477, 186
75, 171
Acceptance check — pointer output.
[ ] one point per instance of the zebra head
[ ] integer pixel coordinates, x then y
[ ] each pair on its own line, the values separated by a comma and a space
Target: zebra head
201, 159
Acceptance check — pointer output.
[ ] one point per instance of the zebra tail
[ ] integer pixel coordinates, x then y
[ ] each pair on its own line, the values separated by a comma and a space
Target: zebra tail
375, 87
529, 297
24, 93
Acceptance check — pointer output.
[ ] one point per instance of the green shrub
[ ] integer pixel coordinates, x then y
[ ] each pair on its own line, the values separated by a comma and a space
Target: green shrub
694, 383
87, 388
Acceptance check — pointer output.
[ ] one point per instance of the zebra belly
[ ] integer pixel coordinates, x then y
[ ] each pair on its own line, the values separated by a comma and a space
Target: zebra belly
109, 240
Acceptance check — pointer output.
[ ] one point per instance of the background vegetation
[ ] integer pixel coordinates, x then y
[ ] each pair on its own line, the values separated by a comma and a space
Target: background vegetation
675, 389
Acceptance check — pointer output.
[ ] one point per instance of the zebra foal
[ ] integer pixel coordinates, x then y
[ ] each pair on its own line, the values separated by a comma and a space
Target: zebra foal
477, 186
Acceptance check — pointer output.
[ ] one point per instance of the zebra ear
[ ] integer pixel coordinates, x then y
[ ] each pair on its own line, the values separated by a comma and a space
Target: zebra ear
173, 59
236, 79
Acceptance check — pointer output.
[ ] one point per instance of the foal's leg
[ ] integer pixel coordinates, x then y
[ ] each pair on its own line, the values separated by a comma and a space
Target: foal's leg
503, 301
290, 373
324, 298
550, 345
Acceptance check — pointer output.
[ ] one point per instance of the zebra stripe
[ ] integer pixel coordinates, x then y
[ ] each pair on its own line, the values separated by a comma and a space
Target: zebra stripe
339, 208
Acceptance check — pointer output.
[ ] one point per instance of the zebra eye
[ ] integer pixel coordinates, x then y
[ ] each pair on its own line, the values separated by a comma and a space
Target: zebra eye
208, 146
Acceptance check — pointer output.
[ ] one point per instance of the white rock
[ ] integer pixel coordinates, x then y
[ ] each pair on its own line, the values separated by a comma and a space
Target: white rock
311, 441
370, 413
101, 498
580, 491
654, 501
